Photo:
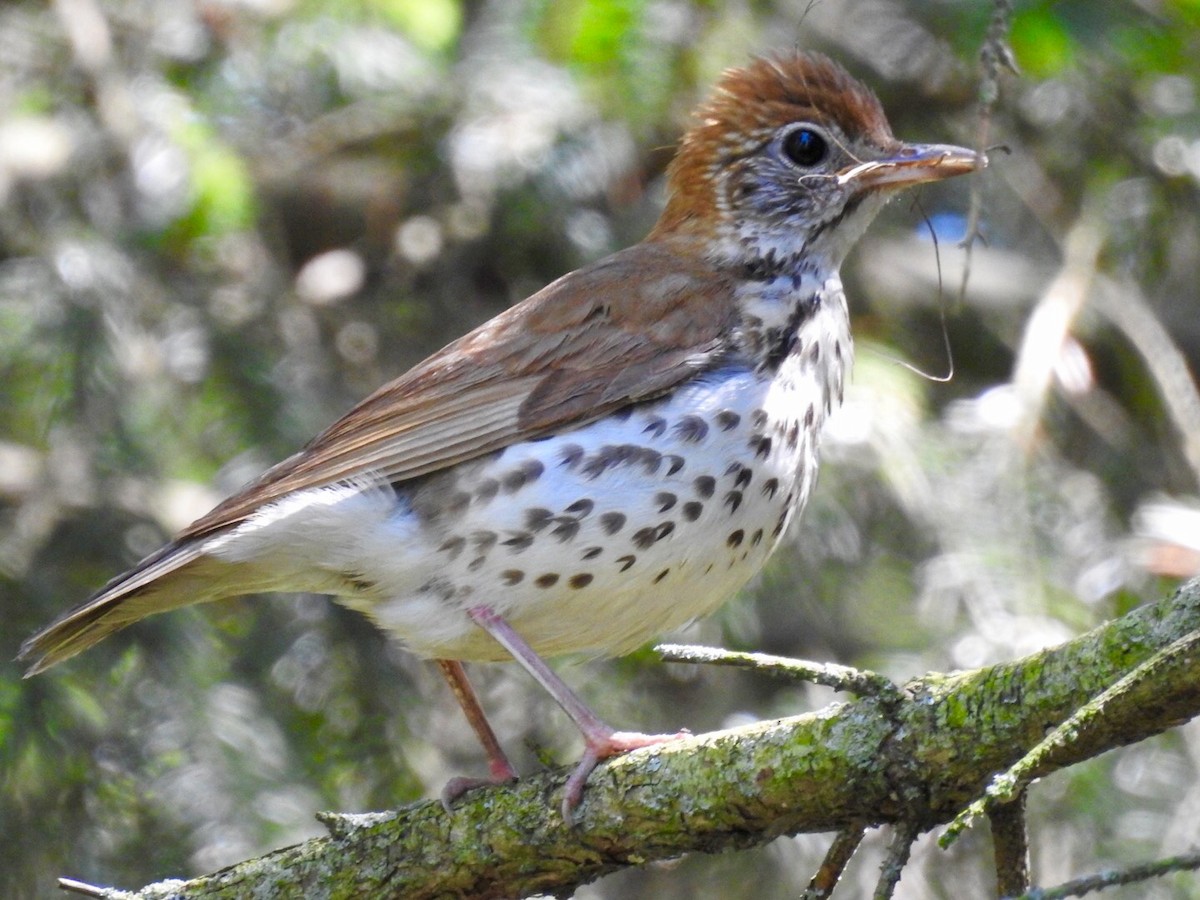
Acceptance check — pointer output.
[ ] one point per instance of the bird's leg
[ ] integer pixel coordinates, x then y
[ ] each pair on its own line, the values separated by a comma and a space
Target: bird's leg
500, 769
600, 740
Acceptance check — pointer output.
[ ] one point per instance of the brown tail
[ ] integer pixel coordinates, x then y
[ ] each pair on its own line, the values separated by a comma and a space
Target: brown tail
177, 575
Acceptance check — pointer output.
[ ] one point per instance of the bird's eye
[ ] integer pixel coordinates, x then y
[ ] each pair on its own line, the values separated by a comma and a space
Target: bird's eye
806, 147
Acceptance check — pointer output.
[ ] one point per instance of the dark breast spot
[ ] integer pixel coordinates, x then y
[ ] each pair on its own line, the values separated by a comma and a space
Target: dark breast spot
735, 538
519, 542
487, 490
538, 519
727, 419
647, 537
761, 445
742, 475
651, 460
583, 579
453, 546
528, 471
661, 575
595, 465
705, 486
626, 562
643, 538
664, 500
781, 523
550, 579
612, 522
691, 429
512, 576
565, 529
484, 540
655, 426
611, 455
692, 510
439, 587
457, 503
581, 507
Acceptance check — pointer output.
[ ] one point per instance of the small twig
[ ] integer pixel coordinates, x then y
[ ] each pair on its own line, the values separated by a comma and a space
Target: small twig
1077, 887
834, 863
1010, 847
893, 865
994, 55
1006, 786
82, 888
861, 682
71, 886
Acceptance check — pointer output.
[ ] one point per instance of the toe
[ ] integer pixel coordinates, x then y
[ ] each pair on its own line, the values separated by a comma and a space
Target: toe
460, 784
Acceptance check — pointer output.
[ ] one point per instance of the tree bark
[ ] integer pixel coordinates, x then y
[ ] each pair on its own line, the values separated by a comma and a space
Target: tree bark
915, 758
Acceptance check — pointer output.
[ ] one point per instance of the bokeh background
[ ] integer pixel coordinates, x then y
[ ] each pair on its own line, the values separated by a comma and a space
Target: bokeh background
223, 222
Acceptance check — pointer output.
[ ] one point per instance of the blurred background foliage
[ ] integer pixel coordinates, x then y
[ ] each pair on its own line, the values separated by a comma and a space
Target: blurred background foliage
224, 221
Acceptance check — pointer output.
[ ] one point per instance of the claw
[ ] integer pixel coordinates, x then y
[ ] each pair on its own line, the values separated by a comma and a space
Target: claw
602, 745
460, 784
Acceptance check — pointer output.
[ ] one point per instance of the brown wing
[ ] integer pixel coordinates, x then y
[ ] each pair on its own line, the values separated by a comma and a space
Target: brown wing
622, 330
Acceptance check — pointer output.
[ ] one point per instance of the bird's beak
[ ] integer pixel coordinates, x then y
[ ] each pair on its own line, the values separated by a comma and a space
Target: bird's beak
912, 164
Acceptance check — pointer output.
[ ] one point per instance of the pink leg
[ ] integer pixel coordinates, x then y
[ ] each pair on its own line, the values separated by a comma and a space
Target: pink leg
600, 741
499, 768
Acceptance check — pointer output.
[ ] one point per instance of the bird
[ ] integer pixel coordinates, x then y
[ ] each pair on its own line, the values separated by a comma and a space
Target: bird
603, 462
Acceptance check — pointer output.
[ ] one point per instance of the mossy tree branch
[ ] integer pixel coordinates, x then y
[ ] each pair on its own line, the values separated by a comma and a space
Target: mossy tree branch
915, 760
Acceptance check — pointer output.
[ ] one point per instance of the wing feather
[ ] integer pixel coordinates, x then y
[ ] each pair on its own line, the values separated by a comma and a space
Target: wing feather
623, 330
618, 332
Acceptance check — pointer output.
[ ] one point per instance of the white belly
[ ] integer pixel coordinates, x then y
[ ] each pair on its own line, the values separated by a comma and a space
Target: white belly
595, 540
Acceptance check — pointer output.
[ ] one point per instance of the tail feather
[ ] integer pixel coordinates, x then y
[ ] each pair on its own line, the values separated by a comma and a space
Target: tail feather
177, 575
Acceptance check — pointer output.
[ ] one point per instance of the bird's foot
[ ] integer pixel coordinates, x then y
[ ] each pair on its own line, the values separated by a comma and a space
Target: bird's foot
602, 744
501, 773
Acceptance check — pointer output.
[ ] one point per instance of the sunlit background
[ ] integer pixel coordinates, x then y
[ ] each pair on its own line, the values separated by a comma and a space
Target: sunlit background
222, 223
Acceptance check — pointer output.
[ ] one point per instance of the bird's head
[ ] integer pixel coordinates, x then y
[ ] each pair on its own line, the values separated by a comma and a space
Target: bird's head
792, 156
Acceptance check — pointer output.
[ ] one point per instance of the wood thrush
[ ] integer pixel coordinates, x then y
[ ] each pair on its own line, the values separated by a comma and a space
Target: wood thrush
605, 461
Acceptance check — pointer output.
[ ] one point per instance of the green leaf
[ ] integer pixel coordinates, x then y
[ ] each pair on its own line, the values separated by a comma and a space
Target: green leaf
433, 25
222, 193
1043, 46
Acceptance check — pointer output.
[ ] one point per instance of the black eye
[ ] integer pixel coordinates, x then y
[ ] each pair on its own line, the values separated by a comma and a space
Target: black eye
805, 147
